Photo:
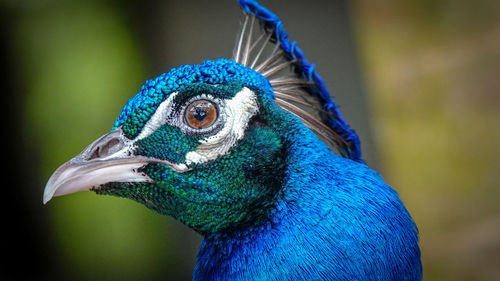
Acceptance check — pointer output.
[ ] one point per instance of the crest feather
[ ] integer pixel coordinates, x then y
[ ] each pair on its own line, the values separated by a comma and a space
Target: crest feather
298, 88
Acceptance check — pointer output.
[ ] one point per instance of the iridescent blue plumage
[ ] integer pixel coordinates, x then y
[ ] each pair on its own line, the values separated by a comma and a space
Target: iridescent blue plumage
338, 221
237, 156
335, 219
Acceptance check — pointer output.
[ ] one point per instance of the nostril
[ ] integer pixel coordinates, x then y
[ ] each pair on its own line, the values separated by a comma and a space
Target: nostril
110, 147
102, 150
95, 154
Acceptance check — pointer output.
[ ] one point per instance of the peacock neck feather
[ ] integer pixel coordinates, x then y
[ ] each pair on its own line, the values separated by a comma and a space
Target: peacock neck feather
332, 218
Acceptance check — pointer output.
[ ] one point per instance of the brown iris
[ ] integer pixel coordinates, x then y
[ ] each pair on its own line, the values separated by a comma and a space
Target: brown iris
201, 114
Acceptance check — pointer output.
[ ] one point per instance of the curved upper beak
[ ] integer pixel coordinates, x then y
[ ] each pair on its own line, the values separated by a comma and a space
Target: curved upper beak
108, 159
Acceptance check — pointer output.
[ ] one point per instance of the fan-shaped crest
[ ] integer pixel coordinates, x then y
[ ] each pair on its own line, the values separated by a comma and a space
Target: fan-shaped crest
263, 45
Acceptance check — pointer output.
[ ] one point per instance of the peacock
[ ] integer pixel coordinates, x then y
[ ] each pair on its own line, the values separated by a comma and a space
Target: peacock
253, 154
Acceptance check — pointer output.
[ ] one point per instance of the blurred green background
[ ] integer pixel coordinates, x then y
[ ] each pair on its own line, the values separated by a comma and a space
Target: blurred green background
418, 79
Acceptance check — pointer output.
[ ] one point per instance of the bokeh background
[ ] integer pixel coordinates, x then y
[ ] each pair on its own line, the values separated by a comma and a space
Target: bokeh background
418, 79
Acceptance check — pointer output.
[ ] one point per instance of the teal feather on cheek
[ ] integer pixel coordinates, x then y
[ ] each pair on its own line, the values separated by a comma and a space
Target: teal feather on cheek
168, 143
230, 192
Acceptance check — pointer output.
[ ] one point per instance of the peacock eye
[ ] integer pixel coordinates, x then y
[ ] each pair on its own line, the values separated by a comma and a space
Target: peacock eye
200, 114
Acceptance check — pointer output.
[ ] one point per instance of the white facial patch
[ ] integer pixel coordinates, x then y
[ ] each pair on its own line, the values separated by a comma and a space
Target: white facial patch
159, 118
238, 112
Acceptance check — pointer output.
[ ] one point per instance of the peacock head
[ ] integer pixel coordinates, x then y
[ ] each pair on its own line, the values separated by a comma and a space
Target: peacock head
210, 144
201, 143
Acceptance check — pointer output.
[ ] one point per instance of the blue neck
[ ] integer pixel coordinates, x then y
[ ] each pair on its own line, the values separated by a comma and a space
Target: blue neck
337, 220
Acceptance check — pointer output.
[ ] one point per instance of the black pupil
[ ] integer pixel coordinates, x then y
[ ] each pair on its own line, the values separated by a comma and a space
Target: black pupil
199, 114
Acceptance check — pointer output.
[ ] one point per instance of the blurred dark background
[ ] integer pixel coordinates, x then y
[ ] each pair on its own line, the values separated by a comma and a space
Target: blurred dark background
417, 79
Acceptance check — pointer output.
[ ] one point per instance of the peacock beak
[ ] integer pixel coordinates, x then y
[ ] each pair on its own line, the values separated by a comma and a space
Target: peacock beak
108, 159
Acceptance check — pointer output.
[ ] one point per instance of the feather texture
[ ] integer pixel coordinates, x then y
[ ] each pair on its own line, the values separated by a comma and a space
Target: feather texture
271, 201
298, 88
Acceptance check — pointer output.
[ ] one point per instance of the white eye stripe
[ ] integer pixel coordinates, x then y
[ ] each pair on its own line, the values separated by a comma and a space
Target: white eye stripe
159, 118
164, 115
236, 113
